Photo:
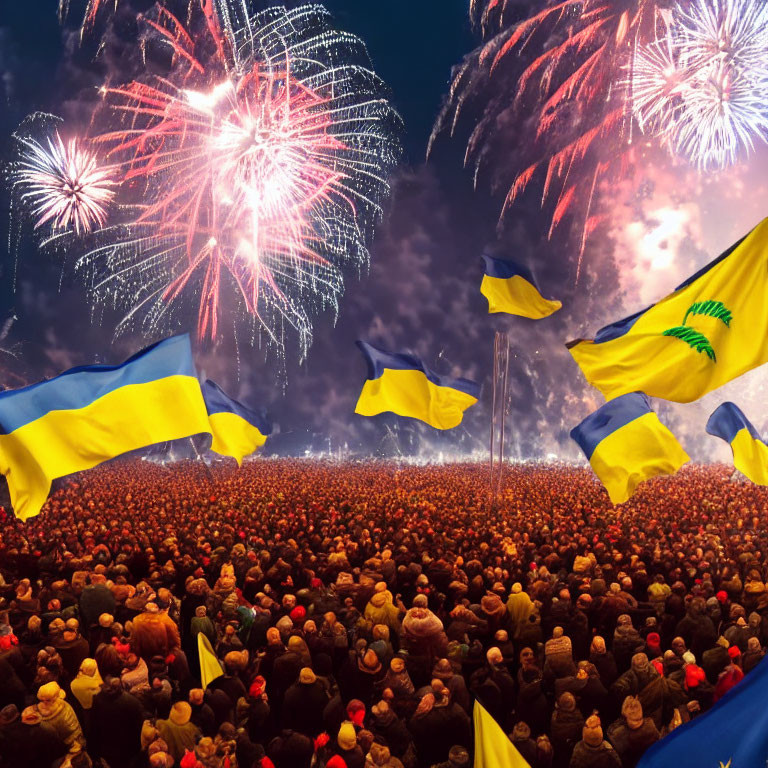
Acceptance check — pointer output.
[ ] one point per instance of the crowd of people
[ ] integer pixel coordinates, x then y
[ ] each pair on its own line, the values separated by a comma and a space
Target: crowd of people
359, 610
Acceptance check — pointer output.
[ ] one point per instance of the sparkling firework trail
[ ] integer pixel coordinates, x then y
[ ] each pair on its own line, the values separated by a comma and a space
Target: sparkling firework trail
569, 89
62, 183
254, 169
723, 45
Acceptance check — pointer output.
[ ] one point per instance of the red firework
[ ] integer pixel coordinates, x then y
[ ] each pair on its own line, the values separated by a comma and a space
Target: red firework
575, 87
237, 173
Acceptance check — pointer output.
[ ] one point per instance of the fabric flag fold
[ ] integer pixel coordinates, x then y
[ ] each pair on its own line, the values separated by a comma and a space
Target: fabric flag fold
402, 384
510, 288
626, 444
750, 453
237, 430
210, 666
713, 739
493, 749
93, 413
710, 330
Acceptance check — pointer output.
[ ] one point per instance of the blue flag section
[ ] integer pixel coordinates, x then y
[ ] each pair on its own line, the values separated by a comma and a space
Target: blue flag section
733, 734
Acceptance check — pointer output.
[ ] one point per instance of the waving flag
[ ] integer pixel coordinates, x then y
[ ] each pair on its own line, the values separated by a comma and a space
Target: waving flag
511, 288
712, 740
750, 453
237, 430
493, 749
626, 443
402, 384
93, 413
710, 330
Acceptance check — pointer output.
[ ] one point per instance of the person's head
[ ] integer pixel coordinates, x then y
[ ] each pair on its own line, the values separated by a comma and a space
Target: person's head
592, 733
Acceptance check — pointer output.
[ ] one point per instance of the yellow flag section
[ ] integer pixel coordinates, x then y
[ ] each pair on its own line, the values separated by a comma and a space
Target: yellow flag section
237, 430
510, 288
493, 749
626, 444
710, 330
402, 384
93, 413
750, 453
210, 666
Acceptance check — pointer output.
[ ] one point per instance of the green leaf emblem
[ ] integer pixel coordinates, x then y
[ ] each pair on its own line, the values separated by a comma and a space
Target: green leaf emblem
695, 339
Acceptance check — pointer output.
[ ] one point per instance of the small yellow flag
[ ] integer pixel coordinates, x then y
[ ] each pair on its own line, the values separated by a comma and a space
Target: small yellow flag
210, 666
493, 749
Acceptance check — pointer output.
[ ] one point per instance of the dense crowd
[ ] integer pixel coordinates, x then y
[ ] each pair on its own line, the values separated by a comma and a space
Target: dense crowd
358, 610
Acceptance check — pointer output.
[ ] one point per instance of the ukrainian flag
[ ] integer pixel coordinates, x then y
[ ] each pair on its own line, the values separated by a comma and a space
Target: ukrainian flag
710, 330
750, 453
510, 288
626, 443
237, 431
93, 413
402, 384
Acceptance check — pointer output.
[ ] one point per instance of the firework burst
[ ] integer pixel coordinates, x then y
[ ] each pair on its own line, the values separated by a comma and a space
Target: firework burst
568, 90
715, 110
62, 184
253, 171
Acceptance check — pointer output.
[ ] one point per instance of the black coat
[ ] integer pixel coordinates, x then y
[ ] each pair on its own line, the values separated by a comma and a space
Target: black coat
116, 720
303, 707
29, 746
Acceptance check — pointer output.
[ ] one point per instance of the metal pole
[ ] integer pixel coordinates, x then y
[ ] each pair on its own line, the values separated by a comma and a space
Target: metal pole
493, 407
503, 404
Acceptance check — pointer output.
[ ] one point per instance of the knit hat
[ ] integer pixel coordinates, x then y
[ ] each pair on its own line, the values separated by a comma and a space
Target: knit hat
298, 614
640, 662
598, 644
458, 757
347, 738
632, 710
592, 733
196, 696
521, 731
9, 714
722, 596
180, 713
106, 620
734, 652
694, 675
307, 676
356, 712
566, 702
258, 686
337, 761
443, 670
371, 661
50, 691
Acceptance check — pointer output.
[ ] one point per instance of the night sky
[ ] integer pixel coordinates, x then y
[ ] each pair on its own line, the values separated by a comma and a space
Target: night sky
422, 291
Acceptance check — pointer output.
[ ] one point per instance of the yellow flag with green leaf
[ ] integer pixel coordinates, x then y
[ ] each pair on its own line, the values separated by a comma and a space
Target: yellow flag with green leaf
711, 329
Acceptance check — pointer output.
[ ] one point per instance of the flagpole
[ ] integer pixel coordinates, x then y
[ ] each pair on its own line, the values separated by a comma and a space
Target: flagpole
503, 405
493, 409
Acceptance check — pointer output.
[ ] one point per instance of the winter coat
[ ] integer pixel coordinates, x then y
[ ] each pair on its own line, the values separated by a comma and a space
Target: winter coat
179, 737
60, 719
603, 756
115, 733
631, 743
303, 707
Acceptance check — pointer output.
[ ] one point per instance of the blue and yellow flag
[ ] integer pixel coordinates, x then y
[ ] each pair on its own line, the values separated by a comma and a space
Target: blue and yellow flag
750, 453
510, 288
93, 413
709, 331
626, 443
402, 384
210, 666
237, 431
493, 749
732, 734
